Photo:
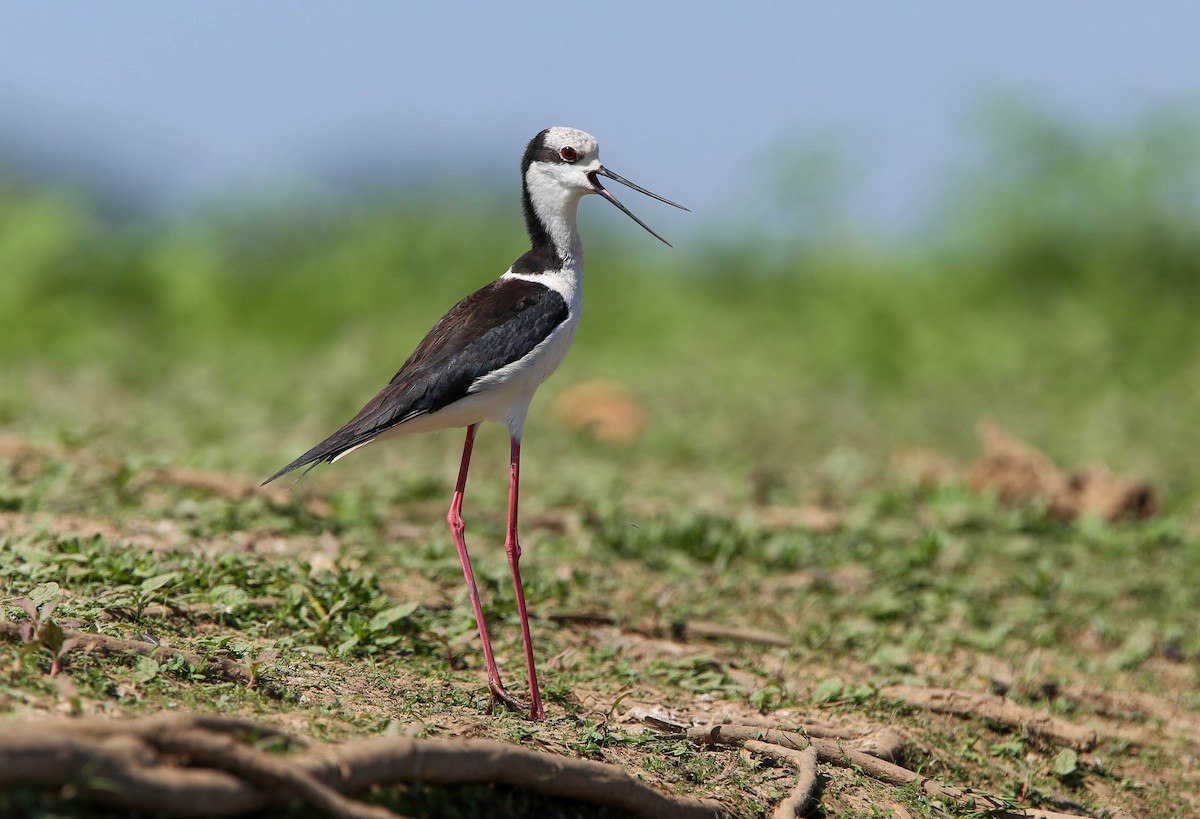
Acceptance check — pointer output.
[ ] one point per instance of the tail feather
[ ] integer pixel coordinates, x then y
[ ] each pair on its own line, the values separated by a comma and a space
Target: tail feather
326, 452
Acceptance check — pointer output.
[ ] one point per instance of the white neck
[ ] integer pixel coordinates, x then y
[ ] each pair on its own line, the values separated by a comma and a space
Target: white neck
556, 208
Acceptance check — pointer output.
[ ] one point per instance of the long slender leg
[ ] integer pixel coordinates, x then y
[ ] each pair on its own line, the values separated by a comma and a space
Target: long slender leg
513, 549
458, 531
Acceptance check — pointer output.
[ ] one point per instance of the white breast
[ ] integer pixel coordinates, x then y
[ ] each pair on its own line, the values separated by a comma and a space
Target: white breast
506, 393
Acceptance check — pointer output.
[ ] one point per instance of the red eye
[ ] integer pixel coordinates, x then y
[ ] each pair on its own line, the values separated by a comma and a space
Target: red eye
568, 154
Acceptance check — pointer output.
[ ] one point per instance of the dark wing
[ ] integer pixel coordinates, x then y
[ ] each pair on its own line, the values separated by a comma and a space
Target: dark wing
494, 326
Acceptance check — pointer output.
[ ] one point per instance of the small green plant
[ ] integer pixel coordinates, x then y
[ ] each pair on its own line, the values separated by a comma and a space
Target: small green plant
40, 631
136, 597
258, 663
1066, 764
145, 669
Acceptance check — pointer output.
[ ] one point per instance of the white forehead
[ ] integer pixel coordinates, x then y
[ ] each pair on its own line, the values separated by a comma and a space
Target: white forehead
558, 138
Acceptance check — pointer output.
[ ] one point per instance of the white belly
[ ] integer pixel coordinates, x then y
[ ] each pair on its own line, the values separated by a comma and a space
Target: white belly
504, 395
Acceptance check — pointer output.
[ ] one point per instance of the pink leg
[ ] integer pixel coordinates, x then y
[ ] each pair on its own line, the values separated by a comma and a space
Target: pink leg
458, 530
513, 549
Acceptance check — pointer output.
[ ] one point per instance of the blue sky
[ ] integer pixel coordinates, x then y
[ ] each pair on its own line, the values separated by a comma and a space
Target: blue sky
202, 101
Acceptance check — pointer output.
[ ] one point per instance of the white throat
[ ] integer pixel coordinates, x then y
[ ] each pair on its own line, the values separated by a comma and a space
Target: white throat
557, 208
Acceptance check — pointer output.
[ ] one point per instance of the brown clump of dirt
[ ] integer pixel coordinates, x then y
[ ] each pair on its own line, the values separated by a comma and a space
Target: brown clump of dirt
1021, 473
606, 409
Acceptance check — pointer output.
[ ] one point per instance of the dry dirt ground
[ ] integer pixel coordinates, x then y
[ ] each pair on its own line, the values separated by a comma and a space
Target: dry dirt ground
694, 708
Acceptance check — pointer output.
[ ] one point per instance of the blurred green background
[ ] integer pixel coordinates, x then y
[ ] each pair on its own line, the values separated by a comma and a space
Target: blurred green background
1053, 287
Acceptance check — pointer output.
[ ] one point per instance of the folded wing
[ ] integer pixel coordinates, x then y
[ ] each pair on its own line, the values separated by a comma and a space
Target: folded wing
495, 326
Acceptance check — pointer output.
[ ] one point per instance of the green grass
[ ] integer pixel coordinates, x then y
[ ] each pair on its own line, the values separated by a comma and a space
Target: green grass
1053, 292
911, 583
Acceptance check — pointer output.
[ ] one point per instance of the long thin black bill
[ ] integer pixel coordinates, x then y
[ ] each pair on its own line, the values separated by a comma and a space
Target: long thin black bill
603, 191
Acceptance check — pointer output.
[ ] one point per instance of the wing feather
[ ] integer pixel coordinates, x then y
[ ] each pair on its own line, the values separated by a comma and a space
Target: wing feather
496, 325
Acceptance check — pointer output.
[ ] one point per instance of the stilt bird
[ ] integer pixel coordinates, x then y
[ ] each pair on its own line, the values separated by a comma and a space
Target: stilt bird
485, 358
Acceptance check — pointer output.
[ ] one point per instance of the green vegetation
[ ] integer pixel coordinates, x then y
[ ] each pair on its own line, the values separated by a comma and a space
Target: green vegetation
1054, 290
1055, 294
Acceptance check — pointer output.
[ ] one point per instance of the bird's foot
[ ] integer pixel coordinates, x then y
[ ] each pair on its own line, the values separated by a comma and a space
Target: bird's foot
501, 695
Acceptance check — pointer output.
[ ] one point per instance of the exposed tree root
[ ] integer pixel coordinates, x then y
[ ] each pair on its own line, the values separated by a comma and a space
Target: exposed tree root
189, 611
879, 741
225, 669
450, 761
268, 772
582, 618
995, 709
1134, 706
678, 630
683, 629
198, 767
834, 753
803, 796
809, 729
147, 728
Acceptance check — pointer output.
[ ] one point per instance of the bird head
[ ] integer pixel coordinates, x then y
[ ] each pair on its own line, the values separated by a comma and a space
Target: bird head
562, 165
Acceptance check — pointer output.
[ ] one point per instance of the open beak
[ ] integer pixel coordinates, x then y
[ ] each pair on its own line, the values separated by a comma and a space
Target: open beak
603, 191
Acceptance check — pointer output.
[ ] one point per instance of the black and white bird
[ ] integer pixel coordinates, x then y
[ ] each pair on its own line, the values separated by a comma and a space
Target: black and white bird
485, 358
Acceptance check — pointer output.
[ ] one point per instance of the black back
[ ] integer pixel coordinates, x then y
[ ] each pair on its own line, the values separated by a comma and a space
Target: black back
495, 326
